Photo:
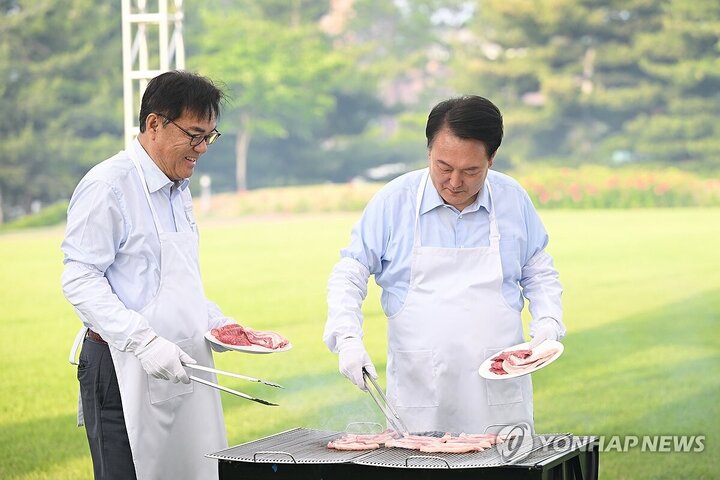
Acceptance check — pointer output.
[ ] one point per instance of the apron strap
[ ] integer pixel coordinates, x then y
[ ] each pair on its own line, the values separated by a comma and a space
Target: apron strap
76, 345
136, 162
418, 201
494, 230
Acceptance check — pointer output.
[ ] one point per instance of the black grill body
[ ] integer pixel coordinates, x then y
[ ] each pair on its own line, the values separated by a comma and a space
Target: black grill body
302, 454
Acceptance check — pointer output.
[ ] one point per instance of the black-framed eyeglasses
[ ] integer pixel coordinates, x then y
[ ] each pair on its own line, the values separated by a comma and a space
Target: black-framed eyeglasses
195, 139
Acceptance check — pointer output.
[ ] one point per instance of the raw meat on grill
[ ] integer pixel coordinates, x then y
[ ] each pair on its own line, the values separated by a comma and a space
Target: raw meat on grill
353, 441
414, 442
445, 444
462, 443
352, 446
480, 442
234, 334
488, 437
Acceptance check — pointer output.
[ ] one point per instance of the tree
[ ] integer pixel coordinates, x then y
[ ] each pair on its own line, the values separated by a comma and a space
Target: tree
61, 97
586, 81
320, 86
682, 59
406, 46
281, 71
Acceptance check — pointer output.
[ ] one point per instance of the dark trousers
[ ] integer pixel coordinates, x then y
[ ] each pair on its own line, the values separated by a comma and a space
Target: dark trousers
102, 409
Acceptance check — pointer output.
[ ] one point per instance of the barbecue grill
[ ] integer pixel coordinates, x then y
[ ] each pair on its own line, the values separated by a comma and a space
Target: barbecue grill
301, 453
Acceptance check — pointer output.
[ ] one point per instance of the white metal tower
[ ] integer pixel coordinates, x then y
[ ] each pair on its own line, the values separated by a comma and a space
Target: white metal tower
152, 44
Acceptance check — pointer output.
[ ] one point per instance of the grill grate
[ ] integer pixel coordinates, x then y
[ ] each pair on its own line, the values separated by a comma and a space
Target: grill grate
305, 446
298, 445
543, 448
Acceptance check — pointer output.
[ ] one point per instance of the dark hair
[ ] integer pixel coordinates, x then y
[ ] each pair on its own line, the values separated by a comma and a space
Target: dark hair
470, 117
172, 93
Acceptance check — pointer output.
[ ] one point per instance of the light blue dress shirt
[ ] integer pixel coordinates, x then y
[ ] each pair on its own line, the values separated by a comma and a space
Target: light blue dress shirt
111, 246
382, 242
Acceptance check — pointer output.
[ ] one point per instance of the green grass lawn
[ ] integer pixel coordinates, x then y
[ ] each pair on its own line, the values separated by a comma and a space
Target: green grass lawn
642, 356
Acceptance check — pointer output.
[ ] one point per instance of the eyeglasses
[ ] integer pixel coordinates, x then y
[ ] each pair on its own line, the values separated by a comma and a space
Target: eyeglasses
195, 139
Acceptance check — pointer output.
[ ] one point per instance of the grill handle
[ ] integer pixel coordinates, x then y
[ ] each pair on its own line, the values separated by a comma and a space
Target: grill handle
272, 452
426, 457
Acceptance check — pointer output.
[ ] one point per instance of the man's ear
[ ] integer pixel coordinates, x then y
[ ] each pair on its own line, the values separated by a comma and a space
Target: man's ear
152, 123
491, 159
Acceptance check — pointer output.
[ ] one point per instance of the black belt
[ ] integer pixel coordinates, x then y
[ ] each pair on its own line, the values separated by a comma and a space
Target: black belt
95, 337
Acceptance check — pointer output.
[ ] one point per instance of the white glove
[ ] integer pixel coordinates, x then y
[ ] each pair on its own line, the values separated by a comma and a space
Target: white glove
162, 359
544, 332
353, 357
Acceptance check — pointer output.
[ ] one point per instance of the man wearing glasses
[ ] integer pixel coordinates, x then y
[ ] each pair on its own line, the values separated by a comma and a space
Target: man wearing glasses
132, 274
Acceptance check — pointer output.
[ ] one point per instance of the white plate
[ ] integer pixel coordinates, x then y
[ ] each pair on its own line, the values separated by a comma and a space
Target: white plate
485, 372
246, 348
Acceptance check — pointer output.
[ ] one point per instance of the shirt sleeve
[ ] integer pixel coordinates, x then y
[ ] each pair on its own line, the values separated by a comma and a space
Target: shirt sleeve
216, 318
347, 289
540, 281
348, 282
369, 236
96, 227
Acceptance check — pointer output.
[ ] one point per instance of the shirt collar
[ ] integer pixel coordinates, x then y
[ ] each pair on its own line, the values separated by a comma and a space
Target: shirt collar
154, 177
432, 199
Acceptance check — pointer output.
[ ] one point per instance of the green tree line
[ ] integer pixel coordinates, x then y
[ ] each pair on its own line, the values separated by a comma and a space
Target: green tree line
322, 91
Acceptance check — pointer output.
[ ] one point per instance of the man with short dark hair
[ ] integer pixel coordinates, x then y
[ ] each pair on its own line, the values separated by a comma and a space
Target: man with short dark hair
455, 247
132, 274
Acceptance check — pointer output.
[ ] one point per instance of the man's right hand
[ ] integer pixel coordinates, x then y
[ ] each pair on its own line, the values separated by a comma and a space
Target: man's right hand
353, 357
163, 359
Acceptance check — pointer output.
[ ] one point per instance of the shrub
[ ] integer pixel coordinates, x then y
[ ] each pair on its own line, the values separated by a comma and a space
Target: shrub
51, 215
594, 186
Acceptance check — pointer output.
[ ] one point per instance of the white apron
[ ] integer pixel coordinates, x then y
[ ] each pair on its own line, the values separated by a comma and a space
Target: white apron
453, 318
171, 426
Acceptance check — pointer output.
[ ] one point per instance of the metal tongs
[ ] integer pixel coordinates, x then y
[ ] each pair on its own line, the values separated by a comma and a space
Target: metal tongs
230, 390
385, 407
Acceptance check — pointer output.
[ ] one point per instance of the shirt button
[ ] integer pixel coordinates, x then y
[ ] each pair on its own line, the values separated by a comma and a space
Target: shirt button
460, 217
